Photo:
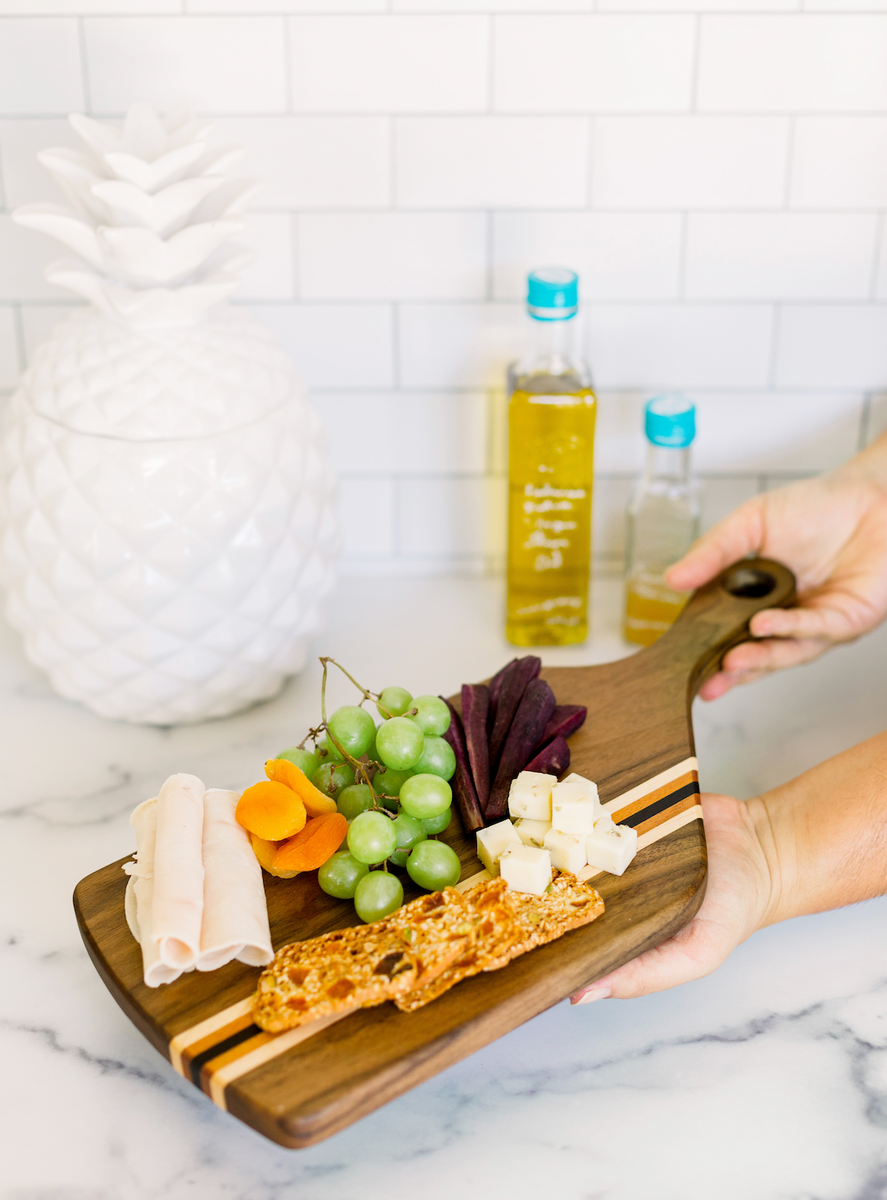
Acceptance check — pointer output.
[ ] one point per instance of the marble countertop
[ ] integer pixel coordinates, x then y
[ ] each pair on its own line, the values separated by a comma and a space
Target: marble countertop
768, 1080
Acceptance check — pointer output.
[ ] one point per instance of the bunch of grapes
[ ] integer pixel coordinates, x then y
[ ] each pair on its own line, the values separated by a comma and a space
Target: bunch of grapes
391, 783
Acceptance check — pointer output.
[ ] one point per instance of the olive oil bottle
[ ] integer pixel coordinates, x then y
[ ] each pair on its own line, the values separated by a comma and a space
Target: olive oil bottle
663, 519
551, 416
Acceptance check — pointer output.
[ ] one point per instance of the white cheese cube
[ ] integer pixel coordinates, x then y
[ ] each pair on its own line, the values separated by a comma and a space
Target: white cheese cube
531, 833
526, 869
530, 795
567, 851
493, 840
604, 822
574, 807
611, 847
586, 786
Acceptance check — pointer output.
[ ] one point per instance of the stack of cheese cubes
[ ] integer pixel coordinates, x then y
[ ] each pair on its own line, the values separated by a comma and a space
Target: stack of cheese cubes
553, 824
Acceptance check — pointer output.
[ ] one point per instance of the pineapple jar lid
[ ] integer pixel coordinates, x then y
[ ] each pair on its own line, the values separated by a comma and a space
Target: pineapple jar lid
158, 354
96, 375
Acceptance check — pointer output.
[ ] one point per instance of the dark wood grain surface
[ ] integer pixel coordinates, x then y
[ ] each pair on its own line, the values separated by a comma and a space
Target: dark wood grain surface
638, 725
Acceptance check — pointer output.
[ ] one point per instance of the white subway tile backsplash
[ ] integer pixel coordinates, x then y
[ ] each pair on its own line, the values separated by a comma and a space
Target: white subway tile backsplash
410, 256
839, 162
335, 345
314, 162
367, 510
272, 273
881, 277
40, 68
491, 162
720, 496
214, 64
289, 6
617, 255
458, 345
681, 345
449, 518
609, 63
389, 64
414, 433
24, 256
876, 417
418, 157
769, 431
25, 181
780, 255
800, 63
75, 8
619, 440
832, 346
492, 6
10, 366
689, 162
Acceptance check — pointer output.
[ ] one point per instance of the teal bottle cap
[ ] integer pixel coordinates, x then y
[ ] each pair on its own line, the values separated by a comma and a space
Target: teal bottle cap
670, 420
552, 294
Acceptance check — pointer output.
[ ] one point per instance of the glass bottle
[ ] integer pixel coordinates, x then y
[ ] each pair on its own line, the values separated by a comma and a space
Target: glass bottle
551, 417
663, 519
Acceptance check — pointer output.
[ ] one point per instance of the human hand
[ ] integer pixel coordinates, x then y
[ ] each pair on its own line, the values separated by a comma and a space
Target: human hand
736, 903
832, 533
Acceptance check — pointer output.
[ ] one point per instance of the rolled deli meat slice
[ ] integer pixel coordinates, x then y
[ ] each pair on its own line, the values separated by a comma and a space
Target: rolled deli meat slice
140, 895
177, 909
235, 915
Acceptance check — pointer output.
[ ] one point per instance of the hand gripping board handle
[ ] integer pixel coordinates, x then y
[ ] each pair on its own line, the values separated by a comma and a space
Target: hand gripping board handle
716, 617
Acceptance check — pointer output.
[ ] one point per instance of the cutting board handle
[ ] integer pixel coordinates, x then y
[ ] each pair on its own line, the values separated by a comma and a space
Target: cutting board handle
716, 617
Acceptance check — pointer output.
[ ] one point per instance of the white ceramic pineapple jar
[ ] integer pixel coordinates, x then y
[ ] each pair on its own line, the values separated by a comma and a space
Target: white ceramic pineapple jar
166, 498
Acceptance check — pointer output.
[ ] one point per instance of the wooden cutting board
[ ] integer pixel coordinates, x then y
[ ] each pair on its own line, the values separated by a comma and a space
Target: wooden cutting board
637, 743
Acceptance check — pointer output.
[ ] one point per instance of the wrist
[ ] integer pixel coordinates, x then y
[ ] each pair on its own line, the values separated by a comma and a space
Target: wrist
778, 857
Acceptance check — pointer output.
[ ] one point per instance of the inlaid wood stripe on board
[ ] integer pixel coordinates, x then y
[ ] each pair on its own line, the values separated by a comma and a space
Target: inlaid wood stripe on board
228, 1045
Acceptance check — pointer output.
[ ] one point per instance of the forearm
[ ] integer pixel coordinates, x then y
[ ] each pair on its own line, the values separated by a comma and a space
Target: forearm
824, 834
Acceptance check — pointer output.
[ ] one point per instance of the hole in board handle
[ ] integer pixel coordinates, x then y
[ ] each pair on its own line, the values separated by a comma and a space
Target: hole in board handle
749, 583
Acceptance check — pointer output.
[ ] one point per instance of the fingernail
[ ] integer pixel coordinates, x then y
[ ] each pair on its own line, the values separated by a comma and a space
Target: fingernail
595, 993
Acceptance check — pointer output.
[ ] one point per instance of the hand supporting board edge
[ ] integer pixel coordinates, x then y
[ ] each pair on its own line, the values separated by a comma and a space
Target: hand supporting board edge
637, 743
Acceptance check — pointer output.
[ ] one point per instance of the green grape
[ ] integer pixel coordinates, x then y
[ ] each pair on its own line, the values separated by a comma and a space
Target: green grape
424, 796
353, 728
433, 716
371, 837
304, 759
437, 758
400, 743
328, 752
340, 875
409, 834
377, 895
354, 799
434, 866
331, 777
433, 825
390, 782
395, 699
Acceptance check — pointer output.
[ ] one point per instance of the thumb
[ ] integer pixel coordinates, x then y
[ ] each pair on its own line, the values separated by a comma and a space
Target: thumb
737, 535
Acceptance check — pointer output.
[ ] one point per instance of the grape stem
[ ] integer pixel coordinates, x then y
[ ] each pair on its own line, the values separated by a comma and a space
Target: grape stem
360, 768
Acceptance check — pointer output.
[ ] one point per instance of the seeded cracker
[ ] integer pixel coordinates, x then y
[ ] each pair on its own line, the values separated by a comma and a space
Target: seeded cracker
363, 965
512, 923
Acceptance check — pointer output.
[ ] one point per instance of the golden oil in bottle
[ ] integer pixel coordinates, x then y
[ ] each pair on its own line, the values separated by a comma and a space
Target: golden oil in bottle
551, 417
663, 520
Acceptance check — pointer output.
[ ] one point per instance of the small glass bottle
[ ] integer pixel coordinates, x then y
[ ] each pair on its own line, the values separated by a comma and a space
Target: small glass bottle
551, 417
663, 519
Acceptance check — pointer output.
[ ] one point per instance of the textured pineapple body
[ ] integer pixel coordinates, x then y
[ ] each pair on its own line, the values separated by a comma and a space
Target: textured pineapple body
168, 516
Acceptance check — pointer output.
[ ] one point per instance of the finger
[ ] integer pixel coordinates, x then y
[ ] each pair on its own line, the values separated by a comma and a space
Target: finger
774, 654
734, 537
724, 681
826, 622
